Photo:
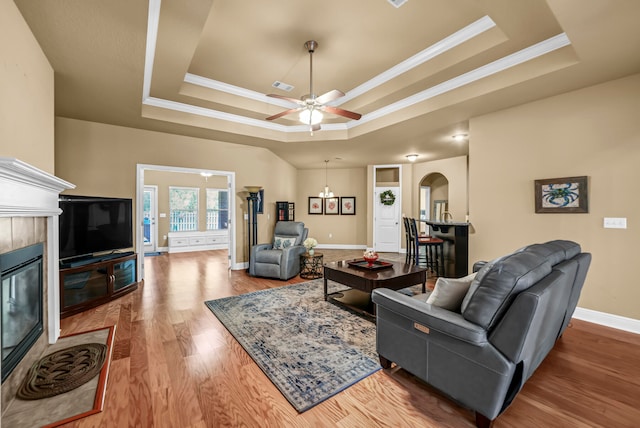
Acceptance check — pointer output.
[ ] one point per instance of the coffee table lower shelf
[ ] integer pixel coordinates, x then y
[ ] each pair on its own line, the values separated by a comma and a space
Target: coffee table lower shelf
354, 300
400, 276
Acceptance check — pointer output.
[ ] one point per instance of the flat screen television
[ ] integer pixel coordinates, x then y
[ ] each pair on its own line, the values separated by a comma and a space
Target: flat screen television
90, 225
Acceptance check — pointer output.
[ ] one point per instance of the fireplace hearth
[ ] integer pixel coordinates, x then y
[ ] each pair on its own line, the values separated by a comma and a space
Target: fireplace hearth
21, 298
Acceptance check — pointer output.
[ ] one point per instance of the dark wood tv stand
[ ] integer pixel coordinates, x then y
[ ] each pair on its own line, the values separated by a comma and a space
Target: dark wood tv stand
95, 281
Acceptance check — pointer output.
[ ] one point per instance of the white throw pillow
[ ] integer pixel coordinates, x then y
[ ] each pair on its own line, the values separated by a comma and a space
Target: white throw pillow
448, 293
280, 242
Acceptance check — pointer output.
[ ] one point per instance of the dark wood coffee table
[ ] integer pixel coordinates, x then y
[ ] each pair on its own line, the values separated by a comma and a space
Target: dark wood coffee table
399, 275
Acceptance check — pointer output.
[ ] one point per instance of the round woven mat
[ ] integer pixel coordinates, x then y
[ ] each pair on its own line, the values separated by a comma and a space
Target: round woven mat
62, 371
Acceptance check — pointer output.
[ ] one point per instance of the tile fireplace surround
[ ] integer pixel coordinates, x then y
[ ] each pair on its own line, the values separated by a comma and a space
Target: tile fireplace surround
29, 215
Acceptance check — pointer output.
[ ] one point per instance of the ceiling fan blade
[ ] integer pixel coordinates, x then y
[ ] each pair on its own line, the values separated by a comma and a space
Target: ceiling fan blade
284, 113
293, 100
329, 96
341, 112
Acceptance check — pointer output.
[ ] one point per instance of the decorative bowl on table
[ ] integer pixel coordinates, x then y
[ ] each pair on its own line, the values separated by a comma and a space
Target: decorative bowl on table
370, 257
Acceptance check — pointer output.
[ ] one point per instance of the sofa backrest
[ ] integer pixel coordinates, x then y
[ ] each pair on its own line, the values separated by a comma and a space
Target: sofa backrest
291, 229
498, 282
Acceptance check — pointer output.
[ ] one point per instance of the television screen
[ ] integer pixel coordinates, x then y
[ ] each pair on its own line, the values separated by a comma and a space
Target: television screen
91, 225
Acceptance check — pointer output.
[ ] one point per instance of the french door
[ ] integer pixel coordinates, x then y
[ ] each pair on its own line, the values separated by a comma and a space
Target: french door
149, 216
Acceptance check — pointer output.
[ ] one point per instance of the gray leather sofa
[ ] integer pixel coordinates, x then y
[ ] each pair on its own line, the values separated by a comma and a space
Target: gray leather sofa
516, 308
282, 263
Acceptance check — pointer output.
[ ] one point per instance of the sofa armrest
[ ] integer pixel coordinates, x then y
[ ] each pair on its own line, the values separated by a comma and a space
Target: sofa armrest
478, 265
252, 258
435, 318
290, 262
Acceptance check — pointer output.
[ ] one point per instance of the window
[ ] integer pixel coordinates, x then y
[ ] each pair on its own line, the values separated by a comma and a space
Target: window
217, 209
183, 208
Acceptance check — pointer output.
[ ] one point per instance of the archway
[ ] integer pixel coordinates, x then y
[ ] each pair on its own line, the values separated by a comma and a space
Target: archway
434, 198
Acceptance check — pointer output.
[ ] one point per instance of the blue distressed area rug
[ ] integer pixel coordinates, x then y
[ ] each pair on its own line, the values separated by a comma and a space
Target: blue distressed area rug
310, 349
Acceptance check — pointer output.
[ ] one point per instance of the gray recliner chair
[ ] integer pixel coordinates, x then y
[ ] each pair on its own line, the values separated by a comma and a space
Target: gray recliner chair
280, 258
515, 310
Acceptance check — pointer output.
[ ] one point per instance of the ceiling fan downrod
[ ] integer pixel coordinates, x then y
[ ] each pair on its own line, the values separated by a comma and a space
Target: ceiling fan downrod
311, 46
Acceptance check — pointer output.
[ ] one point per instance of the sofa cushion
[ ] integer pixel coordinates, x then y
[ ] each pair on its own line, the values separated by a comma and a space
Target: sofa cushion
280, 242
268, 256
449, 292
498, 283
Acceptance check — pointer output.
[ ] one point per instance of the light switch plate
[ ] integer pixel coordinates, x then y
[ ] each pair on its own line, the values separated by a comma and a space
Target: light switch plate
615, 222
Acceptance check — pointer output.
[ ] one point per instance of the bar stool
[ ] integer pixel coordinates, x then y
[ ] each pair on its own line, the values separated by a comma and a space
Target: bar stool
408, 241
433, 250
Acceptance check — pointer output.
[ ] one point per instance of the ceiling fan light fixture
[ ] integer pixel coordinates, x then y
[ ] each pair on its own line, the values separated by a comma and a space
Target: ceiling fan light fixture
412, 157
310, 116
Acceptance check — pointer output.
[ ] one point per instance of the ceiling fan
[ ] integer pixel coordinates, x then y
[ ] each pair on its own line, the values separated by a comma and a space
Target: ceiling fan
311, 106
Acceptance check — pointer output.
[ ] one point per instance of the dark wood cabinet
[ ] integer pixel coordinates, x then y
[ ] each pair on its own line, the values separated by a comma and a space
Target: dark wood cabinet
96, 281
285, 211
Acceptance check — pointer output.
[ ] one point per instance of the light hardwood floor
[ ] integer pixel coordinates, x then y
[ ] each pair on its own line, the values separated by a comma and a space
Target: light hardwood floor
175, 365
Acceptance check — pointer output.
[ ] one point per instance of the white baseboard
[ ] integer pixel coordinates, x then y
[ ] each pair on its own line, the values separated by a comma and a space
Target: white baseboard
608, 320
240, 266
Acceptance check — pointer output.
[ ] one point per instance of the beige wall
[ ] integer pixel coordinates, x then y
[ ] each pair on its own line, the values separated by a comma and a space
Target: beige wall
164, 179
101, 160
344, 229
26, 93
455, 171
593, 132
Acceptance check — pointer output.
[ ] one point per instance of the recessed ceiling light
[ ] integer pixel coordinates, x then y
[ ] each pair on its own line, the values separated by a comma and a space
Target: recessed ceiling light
460, 137
412, 157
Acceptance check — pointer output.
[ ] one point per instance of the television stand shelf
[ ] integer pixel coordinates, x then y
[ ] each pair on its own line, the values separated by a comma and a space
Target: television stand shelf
96, 282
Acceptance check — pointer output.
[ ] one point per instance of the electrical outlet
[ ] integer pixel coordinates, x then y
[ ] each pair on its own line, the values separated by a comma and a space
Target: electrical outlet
615, 223
331, 235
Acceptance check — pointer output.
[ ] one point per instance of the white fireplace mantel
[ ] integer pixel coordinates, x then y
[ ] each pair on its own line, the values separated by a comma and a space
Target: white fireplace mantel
26, 191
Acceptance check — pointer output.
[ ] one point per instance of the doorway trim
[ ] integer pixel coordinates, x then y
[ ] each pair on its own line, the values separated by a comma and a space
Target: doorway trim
231, 181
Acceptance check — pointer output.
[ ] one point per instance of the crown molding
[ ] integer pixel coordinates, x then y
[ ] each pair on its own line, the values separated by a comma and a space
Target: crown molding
216, 85
524, 55
472, 30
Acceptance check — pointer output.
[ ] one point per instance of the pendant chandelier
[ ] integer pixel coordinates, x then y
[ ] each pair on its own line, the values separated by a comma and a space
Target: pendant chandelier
326, 193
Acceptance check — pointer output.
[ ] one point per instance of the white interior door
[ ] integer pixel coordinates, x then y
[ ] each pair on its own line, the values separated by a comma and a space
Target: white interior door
149, 216
387, 222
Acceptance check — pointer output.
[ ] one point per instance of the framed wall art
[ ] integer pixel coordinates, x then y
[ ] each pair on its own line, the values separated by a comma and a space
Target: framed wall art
331, 206
562, 195
260, 202
315, 205
348, 205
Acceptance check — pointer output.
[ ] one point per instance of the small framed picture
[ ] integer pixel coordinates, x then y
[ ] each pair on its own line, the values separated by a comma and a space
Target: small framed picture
562, 195
348, 205
315, 205
331, 206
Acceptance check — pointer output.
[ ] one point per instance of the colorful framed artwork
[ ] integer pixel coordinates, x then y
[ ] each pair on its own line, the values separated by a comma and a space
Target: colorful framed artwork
331, 206
315, 205
348, 205
562, 195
